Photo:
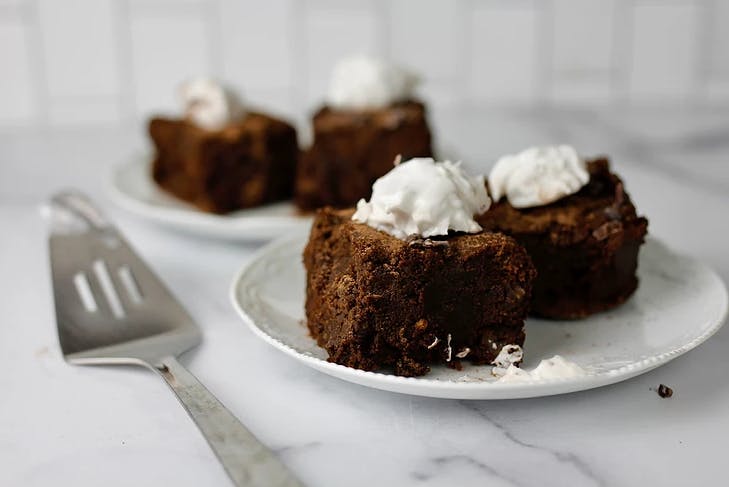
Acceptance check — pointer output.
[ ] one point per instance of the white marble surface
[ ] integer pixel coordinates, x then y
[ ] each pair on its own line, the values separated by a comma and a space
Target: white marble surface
88, 426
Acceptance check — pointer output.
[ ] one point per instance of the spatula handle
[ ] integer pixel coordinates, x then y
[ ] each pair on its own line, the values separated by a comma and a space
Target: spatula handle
247, 461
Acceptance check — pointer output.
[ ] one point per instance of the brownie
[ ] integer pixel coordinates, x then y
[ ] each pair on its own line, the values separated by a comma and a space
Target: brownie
377, 302
584, 246
352, 148
248, 163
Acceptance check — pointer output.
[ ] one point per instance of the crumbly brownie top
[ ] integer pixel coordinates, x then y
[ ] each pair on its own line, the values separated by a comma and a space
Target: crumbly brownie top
459, 243
573, 218
391, 117
252, 122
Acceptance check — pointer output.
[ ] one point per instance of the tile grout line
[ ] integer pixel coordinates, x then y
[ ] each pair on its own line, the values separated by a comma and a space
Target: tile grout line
465, 13
125, 62
544, 69
622, 46
213, 35
299, 49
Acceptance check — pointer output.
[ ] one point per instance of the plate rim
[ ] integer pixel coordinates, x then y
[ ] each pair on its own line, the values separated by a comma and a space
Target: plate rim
189, 219
422, 386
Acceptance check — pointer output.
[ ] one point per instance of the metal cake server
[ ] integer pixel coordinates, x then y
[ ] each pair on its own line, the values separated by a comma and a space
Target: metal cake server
112, 309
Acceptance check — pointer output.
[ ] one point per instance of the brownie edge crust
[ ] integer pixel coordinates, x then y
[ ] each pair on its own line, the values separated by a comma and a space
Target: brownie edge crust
374, 301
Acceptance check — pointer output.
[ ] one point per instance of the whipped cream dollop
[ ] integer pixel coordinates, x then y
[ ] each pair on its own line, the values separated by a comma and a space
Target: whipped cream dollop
538, 176
208, 104
363, 82
425, 198
556, 367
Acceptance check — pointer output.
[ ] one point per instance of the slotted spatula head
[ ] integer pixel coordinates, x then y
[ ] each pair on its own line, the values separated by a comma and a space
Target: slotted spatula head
110, 307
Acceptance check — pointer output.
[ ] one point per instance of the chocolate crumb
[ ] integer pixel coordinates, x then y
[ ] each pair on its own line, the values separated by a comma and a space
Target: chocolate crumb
619, 194
421, 324
607, 229
517, 292
612, 212
455, 365
664, 391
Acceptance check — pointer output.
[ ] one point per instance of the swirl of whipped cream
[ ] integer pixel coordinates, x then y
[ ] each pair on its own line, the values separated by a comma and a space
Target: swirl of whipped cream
425, 198
208, 104
538, 176
361, 83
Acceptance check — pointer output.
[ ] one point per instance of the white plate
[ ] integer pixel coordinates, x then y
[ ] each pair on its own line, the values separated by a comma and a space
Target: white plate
679, 304
132, 188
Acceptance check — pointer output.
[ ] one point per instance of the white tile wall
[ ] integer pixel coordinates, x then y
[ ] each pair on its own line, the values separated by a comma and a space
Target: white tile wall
504, 52
16, 96
257, 45
80, 60
427, 35
665, 61
331, 31
80, 57
164, 51
582, 60
110, 61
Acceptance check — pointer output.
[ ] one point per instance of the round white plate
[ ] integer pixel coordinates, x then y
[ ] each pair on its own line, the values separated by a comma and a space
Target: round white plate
133, 189
679, 304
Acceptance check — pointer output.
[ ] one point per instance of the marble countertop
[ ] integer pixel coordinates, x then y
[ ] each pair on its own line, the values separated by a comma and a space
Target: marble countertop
90, 426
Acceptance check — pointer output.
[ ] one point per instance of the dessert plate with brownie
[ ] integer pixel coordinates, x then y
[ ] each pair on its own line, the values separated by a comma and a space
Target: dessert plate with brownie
220, 170
447, 285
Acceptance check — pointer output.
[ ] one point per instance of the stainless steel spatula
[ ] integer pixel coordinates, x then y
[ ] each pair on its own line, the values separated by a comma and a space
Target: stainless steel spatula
112, 309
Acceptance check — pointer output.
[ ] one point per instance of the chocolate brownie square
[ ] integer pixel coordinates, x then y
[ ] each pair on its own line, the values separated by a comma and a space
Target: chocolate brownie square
584, 246
248, 163
374, 301
352, 148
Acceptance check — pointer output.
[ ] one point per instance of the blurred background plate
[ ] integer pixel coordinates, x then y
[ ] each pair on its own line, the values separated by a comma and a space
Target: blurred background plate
132, 188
